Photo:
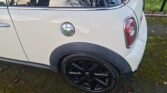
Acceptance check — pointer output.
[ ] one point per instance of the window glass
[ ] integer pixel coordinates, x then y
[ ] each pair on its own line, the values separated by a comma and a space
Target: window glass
65, 3
2, 2
29, 2
83, 3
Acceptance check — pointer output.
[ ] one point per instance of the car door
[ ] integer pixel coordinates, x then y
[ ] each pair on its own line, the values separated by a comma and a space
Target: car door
10, 46
36, 31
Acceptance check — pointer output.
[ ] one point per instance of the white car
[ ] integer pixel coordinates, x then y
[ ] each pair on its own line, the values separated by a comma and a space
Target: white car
92, 42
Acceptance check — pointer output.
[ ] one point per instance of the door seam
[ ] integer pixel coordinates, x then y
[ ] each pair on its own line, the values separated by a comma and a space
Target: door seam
18, 35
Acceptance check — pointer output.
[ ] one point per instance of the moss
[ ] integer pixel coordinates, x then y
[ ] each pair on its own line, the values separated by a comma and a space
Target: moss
154, 64
153, 20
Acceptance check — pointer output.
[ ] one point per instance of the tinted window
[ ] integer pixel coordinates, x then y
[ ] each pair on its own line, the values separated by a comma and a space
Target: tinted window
28, 2
2, 2
84, 3
65, 3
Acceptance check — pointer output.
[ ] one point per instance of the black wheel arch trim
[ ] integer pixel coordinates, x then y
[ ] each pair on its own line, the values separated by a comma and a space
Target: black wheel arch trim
80, 47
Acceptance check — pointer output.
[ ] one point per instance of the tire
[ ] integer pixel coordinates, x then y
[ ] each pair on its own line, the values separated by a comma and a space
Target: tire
89, 73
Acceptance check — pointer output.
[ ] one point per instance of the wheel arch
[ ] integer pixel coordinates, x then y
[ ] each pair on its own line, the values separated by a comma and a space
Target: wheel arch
80, 47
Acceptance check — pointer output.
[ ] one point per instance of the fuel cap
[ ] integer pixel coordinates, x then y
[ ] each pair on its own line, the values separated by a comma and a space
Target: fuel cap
68, 29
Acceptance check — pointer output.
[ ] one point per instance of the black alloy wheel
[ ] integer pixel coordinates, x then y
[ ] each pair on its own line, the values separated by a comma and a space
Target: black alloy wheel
89, 73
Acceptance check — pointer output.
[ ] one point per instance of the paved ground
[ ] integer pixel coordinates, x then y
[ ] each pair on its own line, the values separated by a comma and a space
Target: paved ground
157, 25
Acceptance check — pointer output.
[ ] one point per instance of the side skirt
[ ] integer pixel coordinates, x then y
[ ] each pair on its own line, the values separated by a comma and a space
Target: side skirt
26, 63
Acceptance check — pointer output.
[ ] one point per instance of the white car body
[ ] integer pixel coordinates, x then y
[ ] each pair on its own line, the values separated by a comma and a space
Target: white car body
39, 31
31, 34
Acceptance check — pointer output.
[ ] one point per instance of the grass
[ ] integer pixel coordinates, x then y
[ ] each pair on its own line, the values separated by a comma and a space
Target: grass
153, 6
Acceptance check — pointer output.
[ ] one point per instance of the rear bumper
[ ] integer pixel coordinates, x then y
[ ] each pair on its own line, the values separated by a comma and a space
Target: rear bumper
135, 56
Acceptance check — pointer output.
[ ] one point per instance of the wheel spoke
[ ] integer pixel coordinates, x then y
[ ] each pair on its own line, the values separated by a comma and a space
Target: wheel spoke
92, 84
75, 73
81, 80
101, 82
101, 74
93, 68
76, 66
84, 64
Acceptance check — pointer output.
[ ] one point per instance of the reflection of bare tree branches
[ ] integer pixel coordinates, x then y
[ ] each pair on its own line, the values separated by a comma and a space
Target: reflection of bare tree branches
68, 3
83, 3
79, 3
11, 2
91, 3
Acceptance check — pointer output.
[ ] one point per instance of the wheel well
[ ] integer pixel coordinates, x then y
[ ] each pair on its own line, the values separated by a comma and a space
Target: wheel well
59, 65
79, 47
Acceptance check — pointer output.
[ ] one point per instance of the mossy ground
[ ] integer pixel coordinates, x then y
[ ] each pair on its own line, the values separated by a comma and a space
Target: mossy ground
154, 64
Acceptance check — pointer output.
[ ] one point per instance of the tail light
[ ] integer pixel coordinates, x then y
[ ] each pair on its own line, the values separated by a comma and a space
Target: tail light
130, 29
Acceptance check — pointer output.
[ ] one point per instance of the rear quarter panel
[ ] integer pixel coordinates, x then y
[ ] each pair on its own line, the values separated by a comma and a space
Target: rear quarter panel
137, 7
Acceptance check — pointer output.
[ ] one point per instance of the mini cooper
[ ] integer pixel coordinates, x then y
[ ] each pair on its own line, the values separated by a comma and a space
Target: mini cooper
91, 42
